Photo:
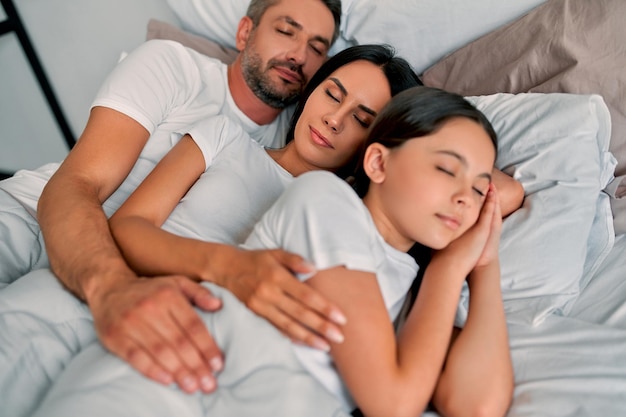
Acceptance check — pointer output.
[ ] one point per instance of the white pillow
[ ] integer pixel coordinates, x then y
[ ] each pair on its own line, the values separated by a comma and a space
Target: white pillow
556, 145
422, 32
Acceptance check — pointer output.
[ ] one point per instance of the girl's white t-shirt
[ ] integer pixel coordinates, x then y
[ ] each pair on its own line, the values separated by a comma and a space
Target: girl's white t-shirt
320, 217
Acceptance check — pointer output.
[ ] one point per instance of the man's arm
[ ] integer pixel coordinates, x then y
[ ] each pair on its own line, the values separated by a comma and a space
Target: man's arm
70, 208
85, 258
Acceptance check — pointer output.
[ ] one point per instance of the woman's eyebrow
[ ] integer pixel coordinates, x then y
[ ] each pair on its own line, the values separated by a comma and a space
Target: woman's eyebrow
463, 161
345, 93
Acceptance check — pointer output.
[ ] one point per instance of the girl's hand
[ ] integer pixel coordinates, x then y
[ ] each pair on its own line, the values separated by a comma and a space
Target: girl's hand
479, 245
490, 252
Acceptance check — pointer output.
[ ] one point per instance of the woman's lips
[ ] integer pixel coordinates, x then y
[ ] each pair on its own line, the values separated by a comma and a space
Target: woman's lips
319, 139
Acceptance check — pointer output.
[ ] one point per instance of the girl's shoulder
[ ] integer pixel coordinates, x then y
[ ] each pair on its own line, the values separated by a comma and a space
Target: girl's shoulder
321, 186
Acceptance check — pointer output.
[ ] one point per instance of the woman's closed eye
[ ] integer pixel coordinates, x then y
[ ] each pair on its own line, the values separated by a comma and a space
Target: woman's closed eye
331, 95
446, 171
364, 124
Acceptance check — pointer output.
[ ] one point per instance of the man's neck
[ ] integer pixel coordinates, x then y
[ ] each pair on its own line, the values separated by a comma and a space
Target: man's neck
246, 100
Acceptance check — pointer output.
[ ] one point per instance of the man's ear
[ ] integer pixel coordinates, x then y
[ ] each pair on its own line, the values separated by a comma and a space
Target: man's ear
374, 162
243, 33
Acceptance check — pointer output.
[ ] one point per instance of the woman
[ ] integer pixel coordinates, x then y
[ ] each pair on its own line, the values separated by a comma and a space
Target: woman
425, 178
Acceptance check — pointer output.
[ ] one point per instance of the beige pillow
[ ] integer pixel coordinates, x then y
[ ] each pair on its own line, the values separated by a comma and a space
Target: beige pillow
570, 46
162, 30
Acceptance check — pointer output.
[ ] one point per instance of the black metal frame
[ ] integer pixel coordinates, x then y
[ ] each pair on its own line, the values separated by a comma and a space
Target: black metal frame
13, 23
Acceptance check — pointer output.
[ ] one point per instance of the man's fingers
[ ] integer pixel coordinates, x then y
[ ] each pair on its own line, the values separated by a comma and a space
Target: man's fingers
139, 359
161, 335
197, 347
197, 356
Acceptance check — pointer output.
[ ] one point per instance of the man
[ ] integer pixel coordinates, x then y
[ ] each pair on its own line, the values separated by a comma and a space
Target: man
153, 93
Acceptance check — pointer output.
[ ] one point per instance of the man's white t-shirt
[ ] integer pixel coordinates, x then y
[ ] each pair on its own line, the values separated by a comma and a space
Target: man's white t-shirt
321, 218
165, 87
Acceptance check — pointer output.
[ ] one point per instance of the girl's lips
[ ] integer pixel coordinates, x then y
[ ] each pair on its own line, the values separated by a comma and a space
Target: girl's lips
450, 221
319, 139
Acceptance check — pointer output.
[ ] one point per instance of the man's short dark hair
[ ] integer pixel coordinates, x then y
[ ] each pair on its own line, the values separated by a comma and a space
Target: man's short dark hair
257, 8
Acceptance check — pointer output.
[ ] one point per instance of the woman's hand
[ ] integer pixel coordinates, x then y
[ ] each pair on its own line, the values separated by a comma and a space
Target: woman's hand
265, 281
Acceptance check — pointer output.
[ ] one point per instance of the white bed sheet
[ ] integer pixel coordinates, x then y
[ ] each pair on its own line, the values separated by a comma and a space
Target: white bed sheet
603, 300
575, 365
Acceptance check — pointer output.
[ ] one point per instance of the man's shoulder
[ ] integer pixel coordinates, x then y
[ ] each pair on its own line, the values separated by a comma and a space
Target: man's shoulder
178, 52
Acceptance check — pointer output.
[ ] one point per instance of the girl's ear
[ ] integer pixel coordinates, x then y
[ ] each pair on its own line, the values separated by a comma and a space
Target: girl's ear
243, 33
374, 162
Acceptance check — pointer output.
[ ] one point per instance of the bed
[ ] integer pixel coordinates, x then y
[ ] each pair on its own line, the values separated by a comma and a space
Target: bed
550, 76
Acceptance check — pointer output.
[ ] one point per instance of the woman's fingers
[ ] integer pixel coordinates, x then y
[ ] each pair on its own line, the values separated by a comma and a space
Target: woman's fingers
270, 289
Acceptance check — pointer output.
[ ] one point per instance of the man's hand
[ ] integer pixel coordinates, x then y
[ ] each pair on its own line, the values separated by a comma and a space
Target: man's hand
265, 281
150, 323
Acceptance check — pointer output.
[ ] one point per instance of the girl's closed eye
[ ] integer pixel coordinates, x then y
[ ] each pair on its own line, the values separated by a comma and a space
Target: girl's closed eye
479, 192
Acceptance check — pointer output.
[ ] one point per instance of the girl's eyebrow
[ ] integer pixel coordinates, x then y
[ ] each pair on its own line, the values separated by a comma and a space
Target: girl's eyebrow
463, 161
345, 93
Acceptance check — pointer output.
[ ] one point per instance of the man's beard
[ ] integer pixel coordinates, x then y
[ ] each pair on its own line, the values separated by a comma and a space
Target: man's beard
261, 85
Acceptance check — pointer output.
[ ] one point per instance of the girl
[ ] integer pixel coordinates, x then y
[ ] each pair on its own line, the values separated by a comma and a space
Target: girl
425, 178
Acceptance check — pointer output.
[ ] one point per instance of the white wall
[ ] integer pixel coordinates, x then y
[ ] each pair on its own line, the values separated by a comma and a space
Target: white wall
78, 42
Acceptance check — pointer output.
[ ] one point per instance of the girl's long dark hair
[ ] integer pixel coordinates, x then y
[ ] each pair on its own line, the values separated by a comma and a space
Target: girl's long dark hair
413, 113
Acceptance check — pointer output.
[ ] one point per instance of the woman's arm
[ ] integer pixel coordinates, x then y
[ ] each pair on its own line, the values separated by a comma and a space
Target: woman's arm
136, 226
261, 279
510, 191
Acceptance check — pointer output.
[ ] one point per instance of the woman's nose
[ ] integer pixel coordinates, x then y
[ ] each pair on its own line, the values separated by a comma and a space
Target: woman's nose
333, 121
